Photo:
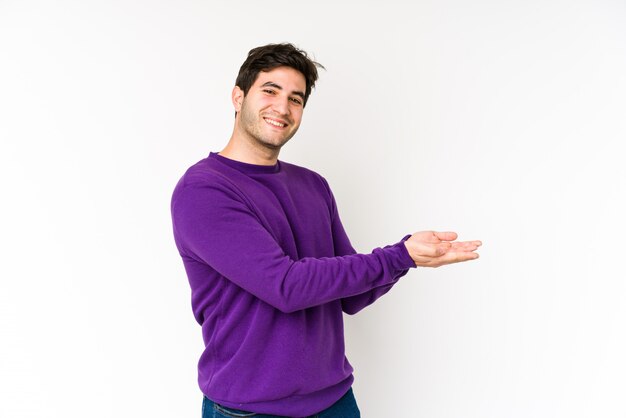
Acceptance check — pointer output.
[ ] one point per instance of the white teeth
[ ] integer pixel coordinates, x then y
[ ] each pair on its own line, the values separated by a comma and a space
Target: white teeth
273, 122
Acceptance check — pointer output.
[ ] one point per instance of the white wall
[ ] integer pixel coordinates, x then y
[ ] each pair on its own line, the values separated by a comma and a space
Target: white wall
502, 120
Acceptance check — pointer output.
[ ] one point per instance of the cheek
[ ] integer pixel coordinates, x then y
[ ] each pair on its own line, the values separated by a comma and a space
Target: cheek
297, 115
254, 104
264, 102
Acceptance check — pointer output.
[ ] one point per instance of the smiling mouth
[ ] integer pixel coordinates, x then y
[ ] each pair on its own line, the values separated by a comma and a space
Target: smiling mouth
275, 123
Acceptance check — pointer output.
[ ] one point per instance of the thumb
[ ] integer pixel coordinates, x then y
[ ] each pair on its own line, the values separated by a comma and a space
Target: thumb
447, 236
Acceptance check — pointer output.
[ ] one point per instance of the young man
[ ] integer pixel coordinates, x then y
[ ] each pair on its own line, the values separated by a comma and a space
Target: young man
270, 266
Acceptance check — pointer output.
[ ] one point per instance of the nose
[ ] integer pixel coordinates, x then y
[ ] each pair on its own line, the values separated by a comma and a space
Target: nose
281, 105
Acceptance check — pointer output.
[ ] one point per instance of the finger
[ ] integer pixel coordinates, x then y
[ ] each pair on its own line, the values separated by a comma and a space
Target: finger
450, 257
466, 245
457, 257
447, 236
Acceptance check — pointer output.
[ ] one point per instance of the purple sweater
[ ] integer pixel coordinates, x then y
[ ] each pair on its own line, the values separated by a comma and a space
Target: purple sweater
271, 271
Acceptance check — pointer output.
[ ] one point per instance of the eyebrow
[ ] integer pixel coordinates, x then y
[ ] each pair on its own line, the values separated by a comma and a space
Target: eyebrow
276, 86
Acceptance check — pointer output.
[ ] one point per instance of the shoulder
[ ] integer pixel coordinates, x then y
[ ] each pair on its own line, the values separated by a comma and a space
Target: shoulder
306, 175
206, 178
294, 168
204, 171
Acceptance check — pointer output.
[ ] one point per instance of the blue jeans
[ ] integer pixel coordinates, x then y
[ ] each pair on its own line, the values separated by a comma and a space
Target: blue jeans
345, 407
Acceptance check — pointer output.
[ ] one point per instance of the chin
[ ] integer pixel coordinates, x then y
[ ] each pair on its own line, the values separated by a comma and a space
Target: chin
275, 143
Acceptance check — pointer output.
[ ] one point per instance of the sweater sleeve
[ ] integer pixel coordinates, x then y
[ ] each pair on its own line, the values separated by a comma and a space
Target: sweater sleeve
215, 225
354, 304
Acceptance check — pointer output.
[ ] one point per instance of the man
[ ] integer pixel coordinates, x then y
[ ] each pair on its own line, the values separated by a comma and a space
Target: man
270, 266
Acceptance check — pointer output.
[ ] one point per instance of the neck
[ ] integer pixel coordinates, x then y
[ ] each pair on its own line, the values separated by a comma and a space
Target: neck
247, 151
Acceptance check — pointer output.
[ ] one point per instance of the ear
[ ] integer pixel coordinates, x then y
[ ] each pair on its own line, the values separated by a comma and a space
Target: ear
237, 97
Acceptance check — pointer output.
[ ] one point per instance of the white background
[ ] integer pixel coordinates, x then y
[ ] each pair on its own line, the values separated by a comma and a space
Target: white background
501, 120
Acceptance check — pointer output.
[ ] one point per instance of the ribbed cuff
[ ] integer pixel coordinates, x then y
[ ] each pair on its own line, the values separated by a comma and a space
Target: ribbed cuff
402, 259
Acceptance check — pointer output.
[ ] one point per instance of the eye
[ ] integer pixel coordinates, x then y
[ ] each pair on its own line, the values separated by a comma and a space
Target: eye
268, 91
296, 100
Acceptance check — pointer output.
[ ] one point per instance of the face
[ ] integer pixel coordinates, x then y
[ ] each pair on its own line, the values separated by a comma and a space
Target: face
270, 114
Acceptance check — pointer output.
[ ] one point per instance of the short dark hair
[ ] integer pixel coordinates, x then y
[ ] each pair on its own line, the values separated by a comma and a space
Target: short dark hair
267, 57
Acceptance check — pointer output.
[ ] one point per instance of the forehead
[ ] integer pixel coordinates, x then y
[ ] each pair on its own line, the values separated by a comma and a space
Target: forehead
286, 77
